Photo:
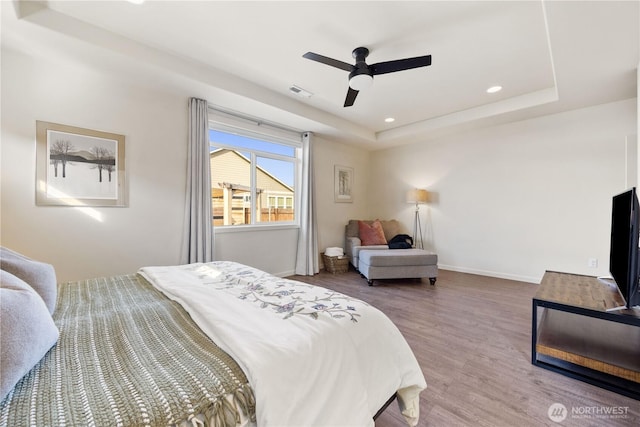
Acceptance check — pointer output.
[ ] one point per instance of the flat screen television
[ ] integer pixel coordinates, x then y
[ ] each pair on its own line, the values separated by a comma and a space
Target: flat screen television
624, 264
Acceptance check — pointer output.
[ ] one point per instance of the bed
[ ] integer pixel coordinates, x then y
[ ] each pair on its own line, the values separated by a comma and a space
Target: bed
214, 344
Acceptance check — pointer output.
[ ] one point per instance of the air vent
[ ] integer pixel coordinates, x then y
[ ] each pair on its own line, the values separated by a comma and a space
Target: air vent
297, 90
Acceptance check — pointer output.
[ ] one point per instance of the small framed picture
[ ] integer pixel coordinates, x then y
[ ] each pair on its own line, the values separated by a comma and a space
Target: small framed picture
78, 167
343, 184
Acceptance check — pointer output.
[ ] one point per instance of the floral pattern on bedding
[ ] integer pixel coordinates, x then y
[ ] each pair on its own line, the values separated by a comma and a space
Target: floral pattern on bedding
283, 297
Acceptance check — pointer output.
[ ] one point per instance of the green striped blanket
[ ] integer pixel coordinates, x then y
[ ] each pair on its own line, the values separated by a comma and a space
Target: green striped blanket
128, 356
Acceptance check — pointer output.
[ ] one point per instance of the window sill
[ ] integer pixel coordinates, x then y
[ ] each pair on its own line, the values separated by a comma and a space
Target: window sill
243, 228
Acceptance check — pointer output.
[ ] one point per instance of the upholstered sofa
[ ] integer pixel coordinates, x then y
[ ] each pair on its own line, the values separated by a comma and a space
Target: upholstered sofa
368, 251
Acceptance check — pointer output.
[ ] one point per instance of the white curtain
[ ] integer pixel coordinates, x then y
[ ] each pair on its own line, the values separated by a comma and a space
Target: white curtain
307, 262
198, 233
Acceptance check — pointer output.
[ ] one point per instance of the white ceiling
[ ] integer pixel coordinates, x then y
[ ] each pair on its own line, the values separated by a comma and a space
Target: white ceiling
548, 56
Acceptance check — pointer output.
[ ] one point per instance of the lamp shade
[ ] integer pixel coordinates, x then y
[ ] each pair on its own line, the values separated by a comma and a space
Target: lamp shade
417, 196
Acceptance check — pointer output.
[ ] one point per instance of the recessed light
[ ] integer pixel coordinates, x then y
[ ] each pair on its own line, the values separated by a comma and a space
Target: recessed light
136, 1
389, 120
494, 89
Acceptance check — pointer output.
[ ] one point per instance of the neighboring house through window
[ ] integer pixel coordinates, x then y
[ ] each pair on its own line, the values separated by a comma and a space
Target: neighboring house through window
253, 172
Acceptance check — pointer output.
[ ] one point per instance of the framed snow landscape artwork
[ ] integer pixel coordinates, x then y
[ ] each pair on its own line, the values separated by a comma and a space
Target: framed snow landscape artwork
79, 167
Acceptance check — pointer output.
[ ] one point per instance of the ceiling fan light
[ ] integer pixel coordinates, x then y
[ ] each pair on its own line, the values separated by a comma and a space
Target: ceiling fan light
360, 82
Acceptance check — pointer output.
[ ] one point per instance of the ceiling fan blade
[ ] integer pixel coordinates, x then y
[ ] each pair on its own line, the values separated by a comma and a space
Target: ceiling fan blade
400, 65
328, 61
351, 97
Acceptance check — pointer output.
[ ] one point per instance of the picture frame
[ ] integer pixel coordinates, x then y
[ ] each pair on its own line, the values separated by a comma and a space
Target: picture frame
343, 184
79, 167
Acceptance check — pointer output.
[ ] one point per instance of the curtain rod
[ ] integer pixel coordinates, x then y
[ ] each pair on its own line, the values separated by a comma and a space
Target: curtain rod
255, 120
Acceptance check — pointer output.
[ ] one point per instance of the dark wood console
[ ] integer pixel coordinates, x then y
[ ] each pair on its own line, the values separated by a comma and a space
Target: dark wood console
576, 333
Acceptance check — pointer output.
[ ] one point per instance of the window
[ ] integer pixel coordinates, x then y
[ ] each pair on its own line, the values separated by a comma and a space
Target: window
253, 173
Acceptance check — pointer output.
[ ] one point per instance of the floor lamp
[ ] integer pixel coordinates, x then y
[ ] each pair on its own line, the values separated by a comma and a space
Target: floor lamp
418, 197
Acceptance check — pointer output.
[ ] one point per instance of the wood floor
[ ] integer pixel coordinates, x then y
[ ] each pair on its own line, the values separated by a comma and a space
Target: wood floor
472, 337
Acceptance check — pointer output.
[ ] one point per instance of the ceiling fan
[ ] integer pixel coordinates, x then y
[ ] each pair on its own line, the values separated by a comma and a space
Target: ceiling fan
361, 74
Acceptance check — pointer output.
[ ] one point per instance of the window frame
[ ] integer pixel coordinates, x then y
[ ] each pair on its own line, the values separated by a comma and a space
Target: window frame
244, 126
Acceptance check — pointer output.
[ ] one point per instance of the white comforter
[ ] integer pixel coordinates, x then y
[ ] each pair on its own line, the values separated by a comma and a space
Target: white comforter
314, 357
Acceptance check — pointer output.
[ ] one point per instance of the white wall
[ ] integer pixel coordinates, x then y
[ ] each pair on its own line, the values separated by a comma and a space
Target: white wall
332, 216
514, 200
84, 243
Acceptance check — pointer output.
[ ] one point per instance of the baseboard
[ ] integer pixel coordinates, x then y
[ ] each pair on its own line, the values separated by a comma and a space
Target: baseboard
285, 274
497, 274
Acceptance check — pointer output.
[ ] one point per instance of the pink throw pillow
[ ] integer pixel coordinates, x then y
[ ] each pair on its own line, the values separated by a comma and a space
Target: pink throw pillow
371, 234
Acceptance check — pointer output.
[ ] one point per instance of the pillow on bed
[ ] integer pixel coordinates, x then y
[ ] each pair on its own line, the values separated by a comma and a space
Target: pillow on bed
27, 331
40, 276
371, 234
